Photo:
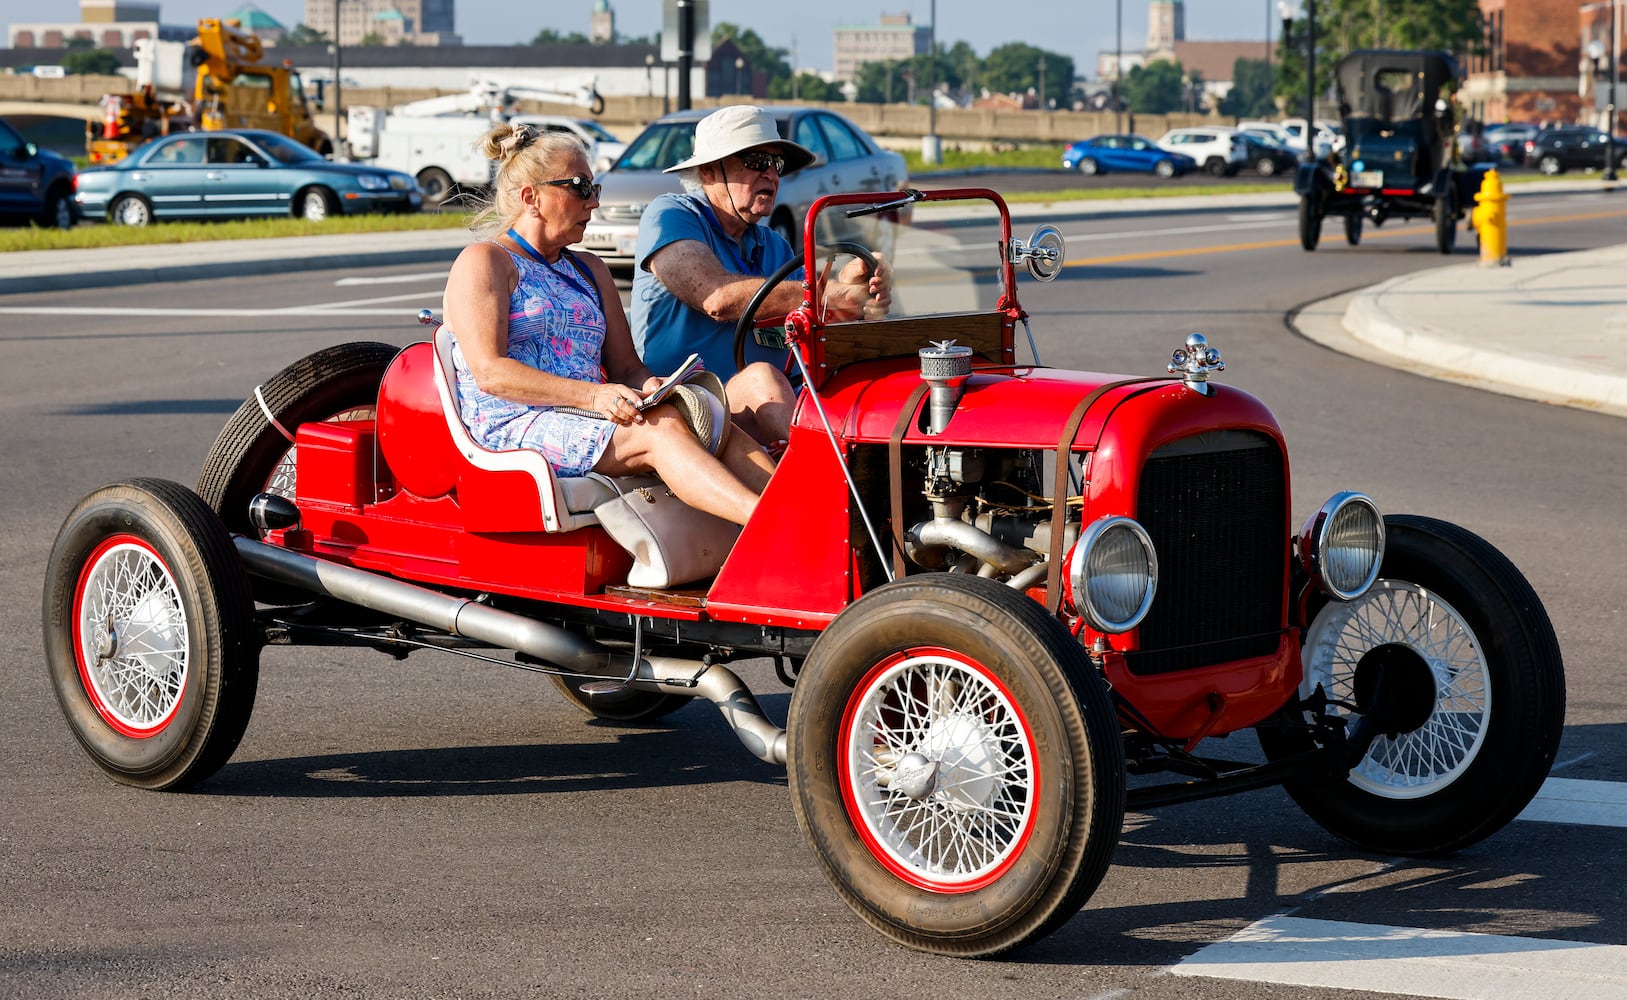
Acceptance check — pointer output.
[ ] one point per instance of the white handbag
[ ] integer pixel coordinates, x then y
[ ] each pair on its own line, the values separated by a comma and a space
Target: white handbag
671, 542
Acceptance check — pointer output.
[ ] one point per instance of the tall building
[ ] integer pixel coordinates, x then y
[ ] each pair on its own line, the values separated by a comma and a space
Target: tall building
1536, 66
391, 22
1166, 25
602, 28
896, 37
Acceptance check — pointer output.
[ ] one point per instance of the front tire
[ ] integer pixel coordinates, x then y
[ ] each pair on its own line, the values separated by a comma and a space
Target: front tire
1353, 230
1310, 223
955, 764
315, 204
1089, 167
1453, 640
1265, 166
149, 634
252, 455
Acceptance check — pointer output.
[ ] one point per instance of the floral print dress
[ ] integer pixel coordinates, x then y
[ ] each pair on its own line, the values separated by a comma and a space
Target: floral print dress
554, 325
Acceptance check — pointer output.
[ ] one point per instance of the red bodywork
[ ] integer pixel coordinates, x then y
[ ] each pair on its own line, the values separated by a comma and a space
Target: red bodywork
395, 496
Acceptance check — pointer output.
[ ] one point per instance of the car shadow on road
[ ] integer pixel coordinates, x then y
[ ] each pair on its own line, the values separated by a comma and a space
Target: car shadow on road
149, 407
691, 747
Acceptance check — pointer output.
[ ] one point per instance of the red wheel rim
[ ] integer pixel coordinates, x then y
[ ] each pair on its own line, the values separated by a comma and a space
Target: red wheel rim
130, 637
938, 770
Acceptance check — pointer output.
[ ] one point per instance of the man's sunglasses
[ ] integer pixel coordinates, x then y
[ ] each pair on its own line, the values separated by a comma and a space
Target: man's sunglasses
760, 162
580, 186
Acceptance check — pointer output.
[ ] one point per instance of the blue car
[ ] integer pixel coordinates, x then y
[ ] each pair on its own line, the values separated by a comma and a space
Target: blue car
1124, 153
235, 173
35, 184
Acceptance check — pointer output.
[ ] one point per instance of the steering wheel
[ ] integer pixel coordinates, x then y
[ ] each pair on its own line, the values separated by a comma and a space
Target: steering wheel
748, 317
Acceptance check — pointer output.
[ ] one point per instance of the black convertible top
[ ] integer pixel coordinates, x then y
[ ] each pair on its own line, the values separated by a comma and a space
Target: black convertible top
1392, 84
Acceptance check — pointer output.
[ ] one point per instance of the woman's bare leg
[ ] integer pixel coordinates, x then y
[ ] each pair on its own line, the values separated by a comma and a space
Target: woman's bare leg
665, 445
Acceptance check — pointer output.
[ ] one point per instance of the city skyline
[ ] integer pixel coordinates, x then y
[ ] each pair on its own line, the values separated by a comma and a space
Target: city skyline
1080, 31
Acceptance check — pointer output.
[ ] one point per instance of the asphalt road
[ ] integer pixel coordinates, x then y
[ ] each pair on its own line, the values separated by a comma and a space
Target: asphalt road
438, 828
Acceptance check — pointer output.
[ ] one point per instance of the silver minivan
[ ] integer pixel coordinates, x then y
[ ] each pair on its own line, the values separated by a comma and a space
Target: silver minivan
846, 159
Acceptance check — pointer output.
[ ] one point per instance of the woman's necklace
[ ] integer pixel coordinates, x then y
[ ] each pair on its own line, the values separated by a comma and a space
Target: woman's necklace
591, 289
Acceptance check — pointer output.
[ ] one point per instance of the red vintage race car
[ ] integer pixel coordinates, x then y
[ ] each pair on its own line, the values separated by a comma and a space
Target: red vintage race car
1011, 601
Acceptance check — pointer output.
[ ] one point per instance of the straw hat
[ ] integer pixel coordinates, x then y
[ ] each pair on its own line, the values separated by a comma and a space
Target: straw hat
735, 129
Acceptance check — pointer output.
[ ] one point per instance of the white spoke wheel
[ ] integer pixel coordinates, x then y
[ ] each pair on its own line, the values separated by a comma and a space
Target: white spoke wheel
1451, 658
955, 763
149, 634
252, 454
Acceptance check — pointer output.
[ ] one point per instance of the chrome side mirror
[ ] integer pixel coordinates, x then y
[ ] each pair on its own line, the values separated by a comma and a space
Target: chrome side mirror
1043, 253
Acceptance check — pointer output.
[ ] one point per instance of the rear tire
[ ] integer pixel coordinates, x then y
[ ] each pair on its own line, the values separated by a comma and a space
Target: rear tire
149, 634
1265, 166
436, 185
1164, 168
1477, 670
1550, 165
1310, 222
629, 705
1216, 167
1353, 230
1446, 228
956, 706
251, 455
130, 210
59, 212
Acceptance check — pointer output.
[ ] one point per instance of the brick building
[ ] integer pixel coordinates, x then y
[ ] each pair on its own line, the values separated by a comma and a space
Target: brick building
1534, 67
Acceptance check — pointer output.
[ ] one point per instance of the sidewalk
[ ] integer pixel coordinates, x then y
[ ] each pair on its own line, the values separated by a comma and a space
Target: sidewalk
1542, 329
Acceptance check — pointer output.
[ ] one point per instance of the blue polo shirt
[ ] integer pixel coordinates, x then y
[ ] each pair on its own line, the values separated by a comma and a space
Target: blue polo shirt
665, 330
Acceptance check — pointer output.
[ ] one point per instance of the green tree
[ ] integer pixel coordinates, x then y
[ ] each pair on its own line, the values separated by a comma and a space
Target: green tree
548, 36
758, 55
805, 87
1343, 26
82, 61
1015, 68
371, 40
304, 35
1250, 95
1155, 88
881, 82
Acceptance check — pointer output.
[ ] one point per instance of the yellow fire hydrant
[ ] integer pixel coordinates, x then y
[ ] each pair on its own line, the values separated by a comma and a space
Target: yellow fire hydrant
1490, 218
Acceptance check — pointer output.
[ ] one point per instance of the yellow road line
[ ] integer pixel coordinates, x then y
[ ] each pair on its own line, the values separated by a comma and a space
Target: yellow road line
1366, 235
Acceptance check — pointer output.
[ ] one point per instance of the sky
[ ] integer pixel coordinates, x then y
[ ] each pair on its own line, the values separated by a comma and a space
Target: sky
1076, 28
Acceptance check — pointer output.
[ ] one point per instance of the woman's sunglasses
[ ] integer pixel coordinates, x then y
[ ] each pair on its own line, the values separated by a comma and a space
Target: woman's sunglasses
580, 186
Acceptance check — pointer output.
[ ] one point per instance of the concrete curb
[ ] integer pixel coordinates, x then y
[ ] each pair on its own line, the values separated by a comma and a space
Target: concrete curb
1375, 318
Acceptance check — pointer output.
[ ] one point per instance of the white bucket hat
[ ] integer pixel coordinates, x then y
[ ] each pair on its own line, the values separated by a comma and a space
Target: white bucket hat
736, 128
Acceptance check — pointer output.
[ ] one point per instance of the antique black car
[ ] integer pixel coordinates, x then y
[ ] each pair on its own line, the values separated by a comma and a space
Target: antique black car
1400, 156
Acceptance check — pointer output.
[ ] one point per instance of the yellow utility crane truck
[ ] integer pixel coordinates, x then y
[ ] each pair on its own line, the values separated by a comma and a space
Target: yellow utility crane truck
232, 86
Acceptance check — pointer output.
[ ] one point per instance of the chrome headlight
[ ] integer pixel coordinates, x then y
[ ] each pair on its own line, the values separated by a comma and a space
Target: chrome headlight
1114, 574
373, 182
1342, 545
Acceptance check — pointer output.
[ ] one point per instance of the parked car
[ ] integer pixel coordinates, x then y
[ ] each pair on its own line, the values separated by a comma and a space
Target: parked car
1508, 141
846, 159
1088, 583
1581, 147
1128, 153
1219, 151
1330, 136
1266, 156
238, 173
35, 184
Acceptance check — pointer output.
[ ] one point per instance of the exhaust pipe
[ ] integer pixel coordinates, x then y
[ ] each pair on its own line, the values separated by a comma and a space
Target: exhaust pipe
554, 646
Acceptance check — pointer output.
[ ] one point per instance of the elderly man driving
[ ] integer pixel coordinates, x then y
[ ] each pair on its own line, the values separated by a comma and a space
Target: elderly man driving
703, 254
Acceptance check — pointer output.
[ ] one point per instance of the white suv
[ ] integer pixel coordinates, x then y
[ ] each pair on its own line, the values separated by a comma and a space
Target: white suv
1220, 151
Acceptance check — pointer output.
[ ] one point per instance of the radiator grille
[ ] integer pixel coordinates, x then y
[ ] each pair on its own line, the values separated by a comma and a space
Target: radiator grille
1216, 508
